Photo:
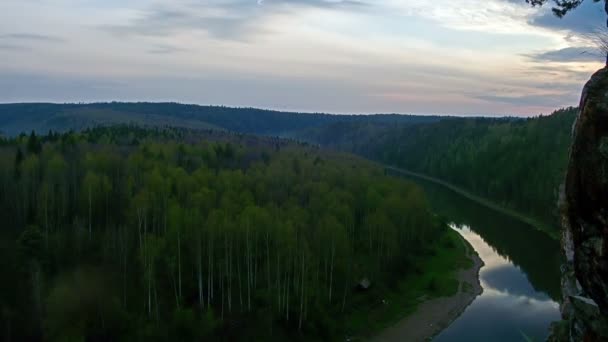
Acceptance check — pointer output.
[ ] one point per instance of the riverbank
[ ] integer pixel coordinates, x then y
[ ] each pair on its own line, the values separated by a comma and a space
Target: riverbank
432, 316
535, 223
440, 273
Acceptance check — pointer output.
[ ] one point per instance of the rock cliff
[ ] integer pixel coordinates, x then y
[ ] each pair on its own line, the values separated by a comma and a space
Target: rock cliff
584, 206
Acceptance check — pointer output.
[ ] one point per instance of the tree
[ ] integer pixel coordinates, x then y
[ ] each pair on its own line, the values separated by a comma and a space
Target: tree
31, 252
81, 306
18, 161
280, 235
34, 145
562, 7
90, 184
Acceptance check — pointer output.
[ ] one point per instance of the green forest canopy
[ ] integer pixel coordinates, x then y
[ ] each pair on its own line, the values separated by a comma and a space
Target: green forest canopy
42, 117
125, 233
519, 163
516, 162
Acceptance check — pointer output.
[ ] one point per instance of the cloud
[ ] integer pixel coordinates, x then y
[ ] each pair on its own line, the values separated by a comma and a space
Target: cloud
440, 56
165, 49
536, 100
569, 54
489, 16
317, 3
12, 47
30, 37
231, 20
24, 87
586, 19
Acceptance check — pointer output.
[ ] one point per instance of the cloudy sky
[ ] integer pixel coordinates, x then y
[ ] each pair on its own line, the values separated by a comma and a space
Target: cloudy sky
488, 57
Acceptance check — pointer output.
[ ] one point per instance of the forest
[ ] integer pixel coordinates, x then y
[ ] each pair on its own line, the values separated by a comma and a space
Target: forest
127, 233
518, 163
42, 117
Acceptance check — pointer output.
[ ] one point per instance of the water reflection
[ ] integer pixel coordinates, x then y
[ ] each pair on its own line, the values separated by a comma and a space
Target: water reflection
520, 279
509, 309
533, 252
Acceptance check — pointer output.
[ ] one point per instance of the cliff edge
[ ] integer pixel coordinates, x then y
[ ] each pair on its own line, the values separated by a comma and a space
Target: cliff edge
584, 206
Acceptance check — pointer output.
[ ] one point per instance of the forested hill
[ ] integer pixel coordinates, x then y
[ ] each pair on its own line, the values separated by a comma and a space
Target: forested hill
42, 117
519, 163
516, 162
131, 234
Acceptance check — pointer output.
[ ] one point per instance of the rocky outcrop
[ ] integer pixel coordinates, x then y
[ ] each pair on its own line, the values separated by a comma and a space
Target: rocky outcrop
585, 220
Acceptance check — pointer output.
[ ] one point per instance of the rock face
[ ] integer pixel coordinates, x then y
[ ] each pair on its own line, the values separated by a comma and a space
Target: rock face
585, 220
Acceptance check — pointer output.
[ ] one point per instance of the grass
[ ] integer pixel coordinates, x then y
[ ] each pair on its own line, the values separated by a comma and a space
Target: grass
436, 277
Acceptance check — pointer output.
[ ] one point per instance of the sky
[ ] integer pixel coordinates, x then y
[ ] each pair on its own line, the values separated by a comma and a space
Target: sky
458, 57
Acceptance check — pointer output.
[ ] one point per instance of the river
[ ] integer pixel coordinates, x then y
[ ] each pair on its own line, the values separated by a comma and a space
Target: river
520, 279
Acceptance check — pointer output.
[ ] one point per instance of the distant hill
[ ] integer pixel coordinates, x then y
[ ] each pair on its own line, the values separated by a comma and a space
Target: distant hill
519, 163
516, 162
42, 117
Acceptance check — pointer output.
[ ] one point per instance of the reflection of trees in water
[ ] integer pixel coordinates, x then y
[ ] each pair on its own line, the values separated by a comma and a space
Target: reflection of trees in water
535, 253
508, 279
499, 273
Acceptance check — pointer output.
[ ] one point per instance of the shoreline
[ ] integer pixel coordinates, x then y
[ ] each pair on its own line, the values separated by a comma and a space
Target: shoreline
433, 316
531, 221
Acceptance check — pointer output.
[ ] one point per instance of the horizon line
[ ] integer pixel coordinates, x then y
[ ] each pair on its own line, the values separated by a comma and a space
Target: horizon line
284, 111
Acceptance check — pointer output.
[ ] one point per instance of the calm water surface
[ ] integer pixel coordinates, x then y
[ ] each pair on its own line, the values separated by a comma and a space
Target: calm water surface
520, 279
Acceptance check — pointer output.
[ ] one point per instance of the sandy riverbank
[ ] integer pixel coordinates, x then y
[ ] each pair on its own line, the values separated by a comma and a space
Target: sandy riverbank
434, 315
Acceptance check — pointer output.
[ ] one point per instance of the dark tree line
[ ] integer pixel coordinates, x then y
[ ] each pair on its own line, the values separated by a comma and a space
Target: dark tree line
125, 233
519, 163
14, 118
